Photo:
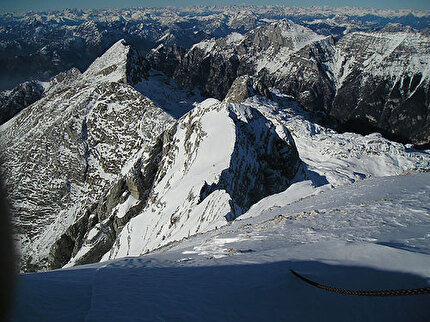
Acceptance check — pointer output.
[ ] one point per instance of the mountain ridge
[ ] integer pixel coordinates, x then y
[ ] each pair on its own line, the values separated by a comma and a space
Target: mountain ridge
66, 146
366, 81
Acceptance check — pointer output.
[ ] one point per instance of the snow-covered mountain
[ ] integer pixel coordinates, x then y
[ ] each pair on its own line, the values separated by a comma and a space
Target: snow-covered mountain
97, 169
382, 82
216, 162
211, 165
366, 81
64, 150
39, 45
220, 159
15, 100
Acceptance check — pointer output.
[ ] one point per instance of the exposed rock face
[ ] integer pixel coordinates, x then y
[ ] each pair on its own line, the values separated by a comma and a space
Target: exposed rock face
366, 81
383, 84
61, 153
14, 101
283, 54
166, 58
98, 226
62, 81
208, 169
244, 87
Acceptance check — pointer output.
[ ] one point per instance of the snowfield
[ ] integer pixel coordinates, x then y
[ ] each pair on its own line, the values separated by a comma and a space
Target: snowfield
371, 235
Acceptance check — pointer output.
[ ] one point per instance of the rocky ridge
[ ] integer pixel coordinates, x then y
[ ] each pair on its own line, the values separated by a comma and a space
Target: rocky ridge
366, 81
63, 151
216, 162
220, 159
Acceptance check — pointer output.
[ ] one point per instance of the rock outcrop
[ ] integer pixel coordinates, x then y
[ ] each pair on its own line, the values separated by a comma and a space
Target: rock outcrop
61, 153
366, 81
14, 101
218, 160
244, 87
382, 82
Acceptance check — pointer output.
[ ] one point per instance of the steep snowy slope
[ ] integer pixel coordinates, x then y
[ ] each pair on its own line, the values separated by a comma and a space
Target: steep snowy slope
211, 167
370, 235
62, 152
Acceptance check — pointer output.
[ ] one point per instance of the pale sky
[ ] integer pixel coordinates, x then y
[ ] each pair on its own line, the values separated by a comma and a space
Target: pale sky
42, 5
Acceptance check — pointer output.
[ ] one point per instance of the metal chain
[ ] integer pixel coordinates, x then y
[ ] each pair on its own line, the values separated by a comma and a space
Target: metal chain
414, 291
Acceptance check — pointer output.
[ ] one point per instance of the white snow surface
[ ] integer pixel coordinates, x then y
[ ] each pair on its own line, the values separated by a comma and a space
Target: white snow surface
370, 235
200, 157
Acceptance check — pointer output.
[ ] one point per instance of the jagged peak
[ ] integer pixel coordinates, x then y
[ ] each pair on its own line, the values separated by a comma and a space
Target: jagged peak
120, 63
296, 35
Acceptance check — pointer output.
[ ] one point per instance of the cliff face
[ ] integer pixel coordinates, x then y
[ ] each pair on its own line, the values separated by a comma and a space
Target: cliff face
366, 81
14, 101
383, 84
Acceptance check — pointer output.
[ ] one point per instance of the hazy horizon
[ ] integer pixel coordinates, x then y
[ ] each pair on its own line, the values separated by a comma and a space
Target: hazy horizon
19, 6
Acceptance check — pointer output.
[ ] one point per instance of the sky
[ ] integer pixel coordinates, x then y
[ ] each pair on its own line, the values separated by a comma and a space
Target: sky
42, 5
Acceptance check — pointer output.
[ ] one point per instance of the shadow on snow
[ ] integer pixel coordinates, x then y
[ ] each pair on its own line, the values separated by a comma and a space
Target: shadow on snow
135, 289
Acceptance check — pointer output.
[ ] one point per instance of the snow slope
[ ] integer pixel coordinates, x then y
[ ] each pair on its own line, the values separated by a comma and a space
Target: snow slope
371, 235
214, 167
338, 158
210, 173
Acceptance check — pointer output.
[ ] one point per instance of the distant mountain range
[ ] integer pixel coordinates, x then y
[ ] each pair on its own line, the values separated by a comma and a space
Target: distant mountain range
177, 136
37, 46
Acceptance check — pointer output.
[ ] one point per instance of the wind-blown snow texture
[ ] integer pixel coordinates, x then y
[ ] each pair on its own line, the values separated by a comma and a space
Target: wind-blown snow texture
369, 235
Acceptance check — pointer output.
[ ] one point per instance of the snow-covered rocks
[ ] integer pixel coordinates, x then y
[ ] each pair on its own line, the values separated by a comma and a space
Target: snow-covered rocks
212, 166
383, 83
244, 87
63, 151
367, 81
15, 100
339, 158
